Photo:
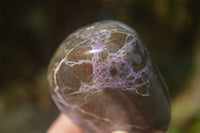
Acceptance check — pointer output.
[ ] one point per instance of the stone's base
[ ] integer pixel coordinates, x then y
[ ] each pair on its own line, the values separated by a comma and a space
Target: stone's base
119, 131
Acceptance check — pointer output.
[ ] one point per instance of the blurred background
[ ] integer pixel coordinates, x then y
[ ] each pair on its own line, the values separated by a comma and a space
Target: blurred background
30, 32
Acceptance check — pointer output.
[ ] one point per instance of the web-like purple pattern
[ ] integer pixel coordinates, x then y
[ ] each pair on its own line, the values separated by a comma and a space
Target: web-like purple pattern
125, 77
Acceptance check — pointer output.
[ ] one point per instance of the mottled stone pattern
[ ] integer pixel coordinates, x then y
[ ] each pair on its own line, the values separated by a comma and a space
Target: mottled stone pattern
103, 78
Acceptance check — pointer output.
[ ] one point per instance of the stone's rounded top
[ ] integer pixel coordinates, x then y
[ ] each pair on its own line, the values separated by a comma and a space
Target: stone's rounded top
103, 78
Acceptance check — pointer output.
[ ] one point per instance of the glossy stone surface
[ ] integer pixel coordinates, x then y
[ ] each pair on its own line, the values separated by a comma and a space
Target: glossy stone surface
103, 78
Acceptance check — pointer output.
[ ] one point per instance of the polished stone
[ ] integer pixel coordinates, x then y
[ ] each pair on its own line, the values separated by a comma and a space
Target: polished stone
103, 78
